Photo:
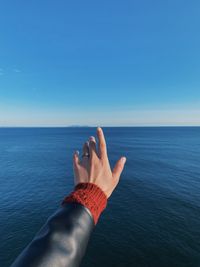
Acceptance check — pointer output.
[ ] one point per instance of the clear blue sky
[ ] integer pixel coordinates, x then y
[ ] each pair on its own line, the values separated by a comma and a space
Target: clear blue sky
113, 62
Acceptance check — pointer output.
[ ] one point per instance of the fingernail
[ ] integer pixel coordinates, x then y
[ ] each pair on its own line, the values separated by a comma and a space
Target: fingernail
92, 138
123, 159
98, 128
77, 152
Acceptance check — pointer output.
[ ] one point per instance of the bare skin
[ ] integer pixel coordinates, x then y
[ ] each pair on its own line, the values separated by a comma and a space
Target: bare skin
96, 168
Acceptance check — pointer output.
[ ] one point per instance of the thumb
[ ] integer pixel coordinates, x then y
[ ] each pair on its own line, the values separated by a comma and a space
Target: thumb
119, 166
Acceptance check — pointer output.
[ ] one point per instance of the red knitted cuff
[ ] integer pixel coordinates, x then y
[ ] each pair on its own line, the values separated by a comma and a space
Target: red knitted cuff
89, 195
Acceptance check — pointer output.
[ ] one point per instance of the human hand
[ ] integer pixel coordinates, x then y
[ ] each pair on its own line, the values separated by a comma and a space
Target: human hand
95, 168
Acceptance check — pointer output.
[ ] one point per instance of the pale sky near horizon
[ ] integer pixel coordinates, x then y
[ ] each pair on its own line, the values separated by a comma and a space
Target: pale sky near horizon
105, 63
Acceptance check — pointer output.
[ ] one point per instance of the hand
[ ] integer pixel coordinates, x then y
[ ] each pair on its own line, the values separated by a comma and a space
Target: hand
96, 168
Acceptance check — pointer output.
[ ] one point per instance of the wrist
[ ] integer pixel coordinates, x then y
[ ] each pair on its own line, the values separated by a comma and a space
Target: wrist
91, 196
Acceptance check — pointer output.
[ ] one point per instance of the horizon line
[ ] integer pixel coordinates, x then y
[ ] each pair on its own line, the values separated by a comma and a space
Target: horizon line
91, 126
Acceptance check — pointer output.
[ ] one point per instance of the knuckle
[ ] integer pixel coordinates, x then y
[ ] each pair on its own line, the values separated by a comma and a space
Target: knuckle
75, 159
103, 146
120, 165
92, 143
75, 165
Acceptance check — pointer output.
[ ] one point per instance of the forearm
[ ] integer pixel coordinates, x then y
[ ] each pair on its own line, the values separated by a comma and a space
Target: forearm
62, 241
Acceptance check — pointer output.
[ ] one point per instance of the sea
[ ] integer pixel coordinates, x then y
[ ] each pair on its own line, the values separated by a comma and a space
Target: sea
152, 218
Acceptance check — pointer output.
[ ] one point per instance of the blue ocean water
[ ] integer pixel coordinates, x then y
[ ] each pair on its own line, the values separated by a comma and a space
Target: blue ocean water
152, 218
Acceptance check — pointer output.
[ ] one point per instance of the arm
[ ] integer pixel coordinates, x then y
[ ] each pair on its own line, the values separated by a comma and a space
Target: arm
62, 241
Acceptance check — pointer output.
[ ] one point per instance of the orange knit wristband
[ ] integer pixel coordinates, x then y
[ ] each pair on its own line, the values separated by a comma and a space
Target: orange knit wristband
89, 195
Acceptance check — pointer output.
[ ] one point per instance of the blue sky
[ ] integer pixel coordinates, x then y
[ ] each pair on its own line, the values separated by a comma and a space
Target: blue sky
99, 63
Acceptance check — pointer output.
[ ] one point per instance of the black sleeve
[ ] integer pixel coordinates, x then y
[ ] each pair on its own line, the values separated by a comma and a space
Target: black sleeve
62, 241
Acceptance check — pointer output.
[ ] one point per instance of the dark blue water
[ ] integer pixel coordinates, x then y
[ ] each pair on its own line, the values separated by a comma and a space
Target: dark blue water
153, 217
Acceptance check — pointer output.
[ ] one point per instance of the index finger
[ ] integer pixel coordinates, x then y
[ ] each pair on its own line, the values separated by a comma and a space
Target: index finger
102, 143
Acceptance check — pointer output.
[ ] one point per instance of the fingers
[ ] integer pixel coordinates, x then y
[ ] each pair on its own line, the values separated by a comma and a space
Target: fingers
76, 165
85, 150
86, 147
119, 166
102, 143
92, 147
76, 160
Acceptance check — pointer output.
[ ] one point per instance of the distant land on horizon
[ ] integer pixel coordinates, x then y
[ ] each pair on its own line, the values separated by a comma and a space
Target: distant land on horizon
106, 126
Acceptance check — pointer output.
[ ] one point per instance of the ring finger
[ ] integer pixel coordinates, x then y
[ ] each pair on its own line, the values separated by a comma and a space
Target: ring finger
85, 151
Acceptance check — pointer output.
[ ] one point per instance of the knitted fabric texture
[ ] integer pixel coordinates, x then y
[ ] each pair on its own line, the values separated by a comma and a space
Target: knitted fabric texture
89, 195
